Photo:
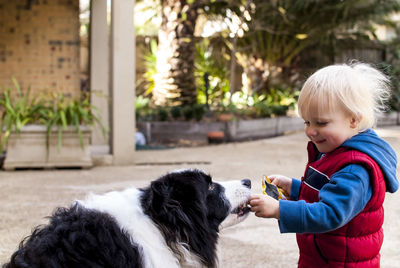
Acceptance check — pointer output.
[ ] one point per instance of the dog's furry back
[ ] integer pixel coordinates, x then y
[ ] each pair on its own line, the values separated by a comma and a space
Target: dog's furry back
93, 239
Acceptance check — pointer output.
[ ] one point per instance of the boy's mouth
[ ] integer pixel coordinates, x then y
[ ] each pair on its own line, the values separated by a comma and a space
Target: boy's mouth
319, 141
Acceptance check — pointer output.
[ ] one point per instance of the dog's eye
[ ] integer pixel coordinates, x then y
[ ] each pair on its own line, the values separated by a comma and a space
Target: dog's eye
211, 187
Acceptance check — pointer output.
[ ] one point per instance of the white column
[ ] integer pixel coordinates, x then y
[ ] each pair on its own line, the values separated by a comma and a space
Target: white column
122, 82
99, 68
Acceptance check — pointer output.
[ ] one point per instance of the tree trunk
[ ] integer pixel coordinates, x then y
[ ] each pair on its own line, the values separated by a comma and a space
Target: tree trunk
175, 81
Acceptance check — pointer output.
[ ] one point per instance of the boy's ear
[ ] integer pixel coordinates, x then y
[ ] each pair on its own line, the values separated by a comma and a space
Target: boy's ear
354, 121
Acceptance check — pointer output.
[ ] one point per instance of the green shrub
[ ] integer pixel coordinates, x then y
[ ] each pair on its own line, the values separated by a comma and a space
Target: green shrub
176, 112
210, 59
162, 113
17, 110
142, 109
198, 111
60, 111
278, 109
262, 109
187, 112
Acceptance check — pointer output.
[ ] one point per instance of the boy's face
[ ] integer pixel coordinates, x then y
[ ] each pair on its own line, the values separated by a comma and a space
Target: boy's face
328, 130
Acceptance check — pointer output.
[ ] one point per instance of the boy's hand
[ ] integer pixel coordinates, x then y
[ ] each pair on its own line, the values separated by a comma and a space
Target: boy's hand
264, 206
283, 182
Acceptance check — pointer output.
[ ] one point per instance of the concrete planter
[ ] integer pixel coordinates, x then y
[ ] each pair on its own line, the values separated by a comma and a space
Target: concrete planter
172, 132
251, 129
390, 119
262, 128
27, 149
240, 130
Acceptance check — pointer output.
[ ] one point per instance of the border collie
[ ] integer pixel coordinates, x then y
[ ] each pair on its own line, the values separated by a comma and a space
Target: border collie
174, 222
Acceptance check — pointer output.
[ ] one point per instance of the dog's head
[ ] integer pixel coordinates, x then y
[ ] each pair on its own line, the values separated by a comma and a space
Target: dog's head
189, 208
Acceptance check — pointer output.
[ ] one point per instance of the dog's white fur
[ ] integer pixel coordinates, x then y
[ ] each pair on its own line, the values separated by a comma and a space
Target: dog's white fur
125, 207
237, 194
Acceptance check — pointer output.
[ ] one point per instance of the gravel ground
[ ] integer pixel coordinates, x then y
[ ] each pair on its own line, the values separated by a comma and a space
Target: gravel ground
28, 196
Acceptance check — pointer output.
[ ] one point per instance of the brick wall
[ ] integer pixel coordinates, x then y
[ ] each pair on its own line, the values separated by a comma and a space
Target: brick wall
39, 44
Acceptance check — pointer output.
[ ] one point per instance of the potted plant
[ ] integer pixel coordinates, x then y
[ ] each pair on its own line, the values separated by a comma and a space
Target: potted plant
46, 131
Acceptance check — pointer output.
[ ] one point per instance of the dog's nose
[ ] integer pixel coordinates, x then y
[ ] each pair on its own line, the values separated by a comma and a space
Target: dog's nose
247, 183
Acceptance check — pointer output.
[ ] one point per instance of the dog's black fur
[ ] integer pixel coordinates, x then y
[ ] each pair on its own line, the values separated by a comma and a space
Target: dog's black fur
77, 237
186, 206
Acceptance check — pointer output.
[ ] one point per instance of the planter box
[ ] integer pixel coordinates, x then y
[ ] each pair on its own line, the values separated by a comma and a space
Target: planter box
262, 128
240, 130
27, 149
389, 119
166, 132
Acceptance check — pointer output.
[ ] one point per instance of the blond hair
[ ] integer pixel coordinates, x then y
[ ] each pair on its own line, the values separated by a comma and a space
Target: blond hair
359, 89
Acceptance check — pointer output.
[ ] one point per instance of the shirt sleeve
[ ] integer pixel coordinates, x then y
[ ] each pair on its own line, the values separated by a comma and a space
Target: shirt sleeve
340, 200
295, 189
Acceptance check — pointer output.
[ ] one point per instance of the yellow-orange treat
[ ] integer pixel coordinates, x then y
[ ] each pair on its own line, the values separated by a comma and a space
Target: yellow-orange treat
271, 189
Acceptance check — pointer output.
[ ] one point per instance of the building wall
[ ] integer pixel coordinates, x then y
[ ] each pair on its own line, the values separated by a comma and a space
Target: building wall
39, 45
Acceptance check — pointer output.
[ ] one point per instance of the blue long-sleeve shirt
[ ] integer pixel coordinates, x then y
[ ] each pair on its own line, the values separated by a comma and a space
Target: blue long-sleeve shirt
346, 194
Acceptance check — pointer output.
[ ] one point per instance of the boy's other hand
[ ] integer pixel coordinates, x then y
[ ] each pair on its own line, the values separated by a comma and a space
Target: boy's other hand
283, 182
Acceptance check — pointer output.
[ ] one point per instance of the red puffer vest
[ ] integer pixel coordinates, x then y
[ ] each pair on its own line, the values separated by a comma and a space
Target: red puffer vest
356, 244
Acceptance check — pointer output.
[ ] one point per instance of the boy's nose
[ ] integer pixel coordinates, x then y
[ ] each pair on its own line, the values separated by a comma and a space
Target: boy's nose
310, 131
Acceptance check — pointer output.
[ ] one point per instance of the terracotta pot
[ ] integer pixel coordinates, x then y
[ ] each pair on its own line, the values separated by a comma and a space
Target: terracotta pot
224, 117
216, 136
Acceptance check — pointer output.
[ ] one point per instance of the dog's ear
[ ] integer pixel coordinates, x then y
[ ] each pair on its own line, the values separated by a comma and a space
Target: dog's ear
165, 206
178, 206
158, 195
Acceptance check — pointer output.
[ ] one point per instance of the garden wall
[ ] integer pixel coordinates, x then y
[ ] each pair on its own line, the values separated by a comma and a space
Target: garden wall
240, 130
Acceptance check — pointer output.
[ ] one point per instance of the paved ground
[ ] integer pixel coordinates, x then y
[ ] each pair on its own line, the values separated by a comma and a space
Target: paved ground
28, 196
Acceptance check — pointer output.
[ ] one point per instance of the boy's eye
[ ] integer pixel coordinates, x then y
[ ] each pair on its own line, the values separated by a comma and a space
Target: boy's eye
321, 123
307, 123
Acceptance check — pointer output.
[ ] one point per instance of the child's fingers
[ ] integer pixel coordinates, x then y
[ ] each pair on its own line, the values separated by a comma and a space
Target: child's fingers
254, 202
255, 196
264, 206
274, 178
254, 199
257, 209
254, 209
281, 181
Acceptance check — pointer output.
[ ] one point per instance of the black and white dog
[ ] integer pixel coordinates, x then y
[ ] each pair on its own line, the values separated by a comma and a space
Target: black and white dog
172, 223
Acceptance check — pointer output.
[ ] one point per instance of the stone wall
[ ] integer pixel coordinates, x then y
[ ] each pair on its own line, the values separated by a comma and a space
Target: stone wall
39, 44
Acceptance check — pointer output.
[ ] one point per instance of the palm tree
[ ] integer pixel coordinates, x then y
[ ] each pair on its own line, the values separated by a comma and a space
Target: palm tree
175, 80
279, 31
